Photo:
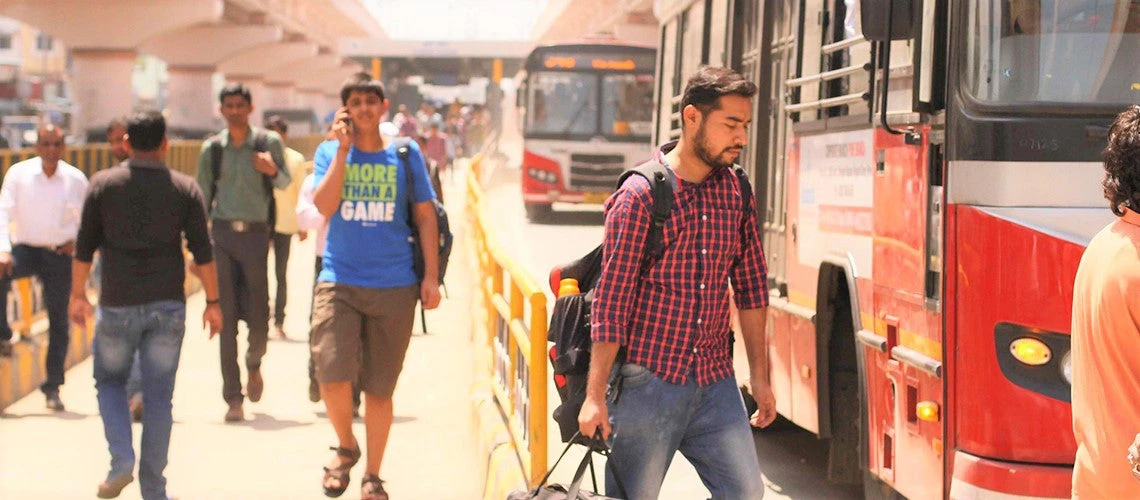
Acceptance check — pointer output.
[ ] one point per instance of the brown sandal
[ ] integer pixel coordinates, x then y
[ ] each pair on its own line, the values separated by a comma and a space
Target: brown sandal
372, 488
340, 473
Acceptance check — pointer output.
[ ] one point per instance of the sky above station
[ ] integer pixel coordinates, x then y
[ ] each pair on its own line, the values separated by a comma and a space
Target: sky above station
453, 20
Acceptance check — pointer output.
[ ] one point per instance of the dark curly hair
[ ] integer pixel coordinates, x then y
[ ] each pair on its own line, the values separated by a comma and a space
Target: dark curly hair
1122, 162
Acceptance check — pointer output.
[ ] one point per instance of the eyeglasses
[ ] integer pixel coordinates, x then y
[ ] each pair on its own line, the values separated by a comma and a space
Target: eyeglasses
53, 144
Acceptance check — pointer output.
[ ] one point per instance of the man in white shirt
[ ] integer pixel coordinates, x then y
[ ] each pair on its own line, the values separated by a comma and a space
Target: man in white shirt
310, 219
43, 198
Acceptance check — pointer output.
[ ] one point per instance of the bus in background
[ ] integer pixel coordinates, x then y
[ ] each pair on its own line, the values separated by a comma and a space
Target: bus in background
587, 111
922, 224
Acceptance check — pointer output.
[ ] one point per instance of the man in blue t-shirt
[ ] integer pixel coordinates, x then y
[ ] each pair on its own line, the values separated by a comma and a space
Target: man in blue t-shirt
364, 302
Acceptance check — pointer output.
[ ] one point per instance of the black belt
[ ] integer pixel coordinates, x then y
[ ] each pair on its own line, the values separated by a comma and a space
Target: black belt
241, 226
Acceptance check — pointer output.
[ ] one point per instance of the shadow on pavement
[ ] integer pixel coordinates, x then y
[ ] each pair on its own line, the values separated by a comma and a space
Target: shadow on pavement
785, 451
62, 415
266, 422
395, 420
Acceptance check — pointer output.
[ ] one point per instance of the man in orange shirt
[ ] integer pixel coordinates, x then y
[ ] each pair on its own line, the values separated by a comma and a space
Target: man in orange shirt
1106, 330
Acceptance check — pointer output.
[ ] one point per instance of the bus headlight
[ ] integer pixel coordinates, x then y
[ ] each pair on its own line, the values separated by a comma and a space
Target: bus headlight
543, 176
1067, 367
1030, 351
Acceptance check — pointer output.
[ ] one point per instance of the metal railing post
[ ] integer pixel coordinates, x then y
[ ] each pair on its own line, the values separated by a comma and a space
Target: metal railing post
538, 386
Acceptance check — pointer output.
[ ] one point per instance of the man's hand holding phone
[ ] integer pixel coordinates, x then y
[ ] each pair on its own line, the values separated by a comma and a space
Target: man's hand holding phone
342, 128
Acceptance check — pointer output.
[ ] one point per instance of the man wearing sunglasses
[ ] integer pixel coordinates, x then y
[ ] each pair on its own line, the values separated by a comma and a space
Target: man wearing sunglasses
43, 196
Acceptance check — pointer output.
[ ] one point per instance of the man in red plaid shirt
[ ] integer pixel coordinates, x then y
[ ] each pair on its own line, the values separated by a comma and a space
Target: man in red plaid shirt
675, 390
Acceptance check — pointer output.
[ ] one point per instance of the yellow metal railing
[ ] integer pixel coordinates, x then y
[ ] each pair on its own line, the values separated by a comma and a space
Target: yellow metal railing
91, 158
515, 333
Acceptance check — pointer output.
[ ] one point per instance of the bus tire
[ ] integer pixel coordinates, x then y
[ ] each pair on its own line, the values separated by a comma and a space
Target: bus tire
538, 212
843, 457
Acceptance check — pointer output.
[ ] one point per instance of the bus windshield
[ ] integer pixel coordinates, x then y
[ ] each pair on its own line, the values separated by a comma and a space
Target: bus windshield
1053, 51
564, 105
627, 105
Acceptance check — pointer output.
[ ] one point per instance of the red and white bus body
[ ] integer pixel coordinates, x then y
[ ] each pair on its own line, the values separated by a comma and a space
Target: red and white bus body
587, 115
915, 277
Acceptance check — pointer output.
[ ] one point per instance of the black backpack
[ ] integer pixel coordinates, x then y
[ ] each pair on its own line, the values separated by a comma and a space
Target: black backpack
446, 239
260, 139
570, 320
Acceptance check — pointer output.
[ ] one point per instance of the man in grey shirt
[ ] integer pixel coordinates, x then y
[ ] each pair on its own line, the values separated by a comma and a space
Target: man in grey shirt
136, 215
238, 169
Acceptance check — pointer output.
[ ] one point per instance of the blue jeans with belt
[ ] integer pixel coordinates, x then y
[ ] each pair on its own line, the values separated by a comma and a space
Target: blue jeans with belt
654, 419
154, 331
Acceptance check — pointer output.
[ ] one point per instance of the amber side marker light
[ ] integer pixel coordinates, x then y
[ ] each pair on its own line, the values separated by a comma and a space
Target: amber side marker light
927, 411
1030, 351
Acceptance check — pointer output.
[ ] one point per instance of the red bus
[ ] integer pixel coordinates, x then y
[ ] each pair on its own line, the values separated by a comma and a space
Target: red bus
588, 111
925, 202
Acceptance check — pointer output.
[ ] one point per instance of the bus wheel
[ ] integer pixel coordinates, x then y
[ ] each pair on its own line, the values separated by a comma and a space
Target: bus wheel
537, 212
843, 457
873, 489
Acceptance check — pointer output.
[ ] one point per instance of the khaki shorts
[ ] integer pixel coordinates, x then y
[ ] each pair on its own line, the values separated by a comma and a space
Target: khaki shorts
362, 332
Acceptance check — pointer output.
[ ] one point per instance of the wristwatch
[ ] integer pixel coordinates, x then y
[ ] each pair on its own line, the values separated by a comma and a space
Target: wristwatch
212, 302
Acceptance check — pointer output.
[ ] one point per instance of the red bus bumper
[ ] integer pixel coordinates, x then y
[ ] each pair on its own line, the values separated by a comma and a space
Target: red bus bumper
976, 477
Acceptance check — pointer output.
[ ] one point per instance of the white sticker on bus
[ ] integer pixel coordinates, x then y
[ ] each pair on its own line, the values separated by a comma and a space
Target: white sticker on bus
837, 186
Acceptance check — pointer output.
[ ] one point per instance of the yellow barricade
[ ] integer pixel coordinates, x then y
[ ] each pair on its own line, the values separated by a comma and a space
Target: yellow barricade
515, 333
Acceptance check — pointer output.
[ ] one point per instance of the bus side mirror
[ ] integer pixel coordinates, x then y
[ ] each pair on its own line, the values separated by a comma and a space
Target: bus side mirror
874, 15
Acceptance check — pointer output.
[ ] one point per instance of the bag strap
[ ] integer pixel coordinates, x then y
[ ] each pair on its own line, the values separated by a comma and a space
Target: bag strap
745, 200
661, 185
261, 145
580, 474
403, 152
215, 146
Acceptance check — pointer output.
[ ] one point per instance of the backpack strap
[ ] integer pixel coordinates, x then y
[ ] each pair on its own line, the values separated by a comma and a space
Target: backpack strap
261, 145
661, 185
404, 152
215, 145
745, 200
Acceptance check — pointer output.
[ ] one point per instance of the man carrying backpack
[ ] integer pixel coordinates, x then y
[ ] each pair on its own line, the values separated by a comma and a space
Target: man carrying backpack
373, 192
668, 311
237, 170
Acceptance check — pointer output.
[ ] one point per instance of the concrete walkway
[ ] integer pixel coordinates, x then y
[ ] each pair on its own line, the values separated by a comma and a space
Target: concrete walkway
280, 449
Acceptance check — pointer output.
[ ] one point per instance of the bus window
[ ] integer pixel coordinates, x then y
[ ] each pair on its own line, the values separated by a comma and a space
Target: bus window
569, 104
1053, 51
846, 26
628, 105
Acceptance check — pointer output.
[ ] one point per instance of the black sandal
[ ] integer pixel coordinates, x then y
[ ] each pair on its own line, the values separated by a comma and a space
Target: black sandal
340, 473
372, 488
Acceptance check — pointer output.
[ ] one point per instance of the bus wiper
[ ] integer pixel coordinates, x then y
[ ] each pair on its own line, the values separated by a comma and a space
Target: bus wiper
574, 120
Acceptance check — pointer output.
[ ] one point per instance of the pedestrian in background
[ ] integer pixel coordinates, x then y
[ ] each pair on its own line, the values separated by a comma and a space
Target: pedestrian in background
250, 164
117, 139
310, 219
136, 215
1106, 330
286, 222
670, 314
43, 197
364, 304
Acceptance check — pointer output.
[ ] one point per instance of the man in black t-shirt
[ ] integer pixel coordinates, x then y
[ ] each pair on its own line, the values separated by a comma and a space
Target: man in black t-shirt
136, 216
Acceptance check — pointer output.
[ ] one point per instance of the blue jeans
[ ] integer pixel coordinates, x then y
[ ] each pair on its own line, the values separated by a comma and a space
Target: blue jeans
654, 419
154, 331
